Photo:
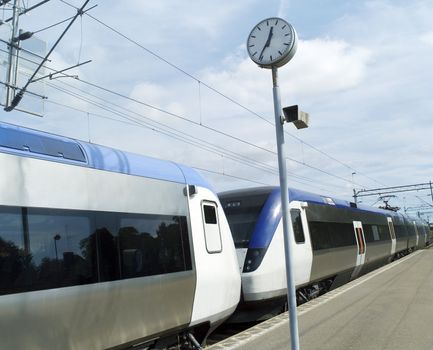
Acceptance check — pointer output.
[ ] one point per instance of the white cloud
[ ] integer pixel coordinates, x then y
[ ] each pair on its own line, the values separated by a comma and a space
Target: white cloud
365, 77
320, 66
427, 38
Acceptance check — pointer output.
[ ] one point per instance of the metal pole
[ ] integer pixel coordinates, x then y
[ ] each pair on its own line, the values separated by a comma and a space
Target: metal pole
20, 93
12, 53
431, 192
291, 293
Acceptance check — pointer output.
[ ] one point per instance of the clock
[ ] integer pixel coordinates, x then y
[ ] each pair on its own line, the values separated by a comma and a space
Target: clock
272, 43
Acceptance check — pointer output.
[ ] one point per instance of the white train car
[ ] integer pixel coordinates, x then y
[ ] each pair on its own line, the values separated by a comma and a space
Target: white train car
103, 249
334, 241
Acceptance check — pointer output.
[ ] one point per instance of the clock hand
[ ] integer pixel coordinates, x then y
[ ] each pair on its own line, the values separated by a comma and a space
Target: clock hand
268, 42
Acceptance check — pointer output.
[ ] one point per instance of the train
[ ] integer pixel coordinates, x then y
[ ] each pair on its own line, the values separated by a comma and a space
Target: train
105, 249
334, 241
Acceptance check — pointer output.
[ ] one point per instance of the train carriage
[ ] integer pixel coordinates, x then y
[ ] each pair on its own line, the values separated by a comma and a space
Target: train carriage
334, 241
101, 248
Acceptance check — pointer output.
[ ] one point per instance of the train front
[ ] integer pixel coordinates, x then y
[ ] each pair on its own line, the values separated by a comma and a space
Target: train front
254, 216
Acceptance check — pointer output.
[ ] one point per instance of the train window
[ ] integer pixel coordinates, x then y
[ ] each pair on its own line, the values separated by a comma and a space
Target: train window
211, 227
209, 214
368, 233
52, 248
375, 230
383, 232
150, 245
374, 233
298, 231
107, 240
12, 251
242, 214
400, 231
61, 250
326, 235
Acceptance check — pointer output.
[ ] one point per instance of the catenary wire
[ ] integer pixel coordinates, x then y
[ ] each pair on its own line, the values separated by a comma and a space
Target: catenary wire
237, 157
215, 130
222, 94
240, 140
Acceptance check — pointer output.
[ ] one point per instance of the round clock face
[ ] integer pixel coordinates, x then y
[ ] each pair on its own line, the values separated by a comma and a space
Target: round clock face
272, 42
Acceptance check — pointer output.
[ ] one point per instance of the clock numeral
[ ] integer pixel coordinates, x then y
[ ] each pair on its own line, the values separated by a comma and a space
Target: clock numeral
255, 53
287, 34
260, 58
280, 52
284, 26
270, 57
287, 44
251, 45
276, 22
258, 28
267, 23
253, 36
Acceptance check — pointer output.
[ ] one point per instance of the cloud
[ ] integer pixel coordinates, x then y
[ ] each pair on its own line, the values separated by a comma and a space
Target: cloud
320, 66
362, 71
427, 38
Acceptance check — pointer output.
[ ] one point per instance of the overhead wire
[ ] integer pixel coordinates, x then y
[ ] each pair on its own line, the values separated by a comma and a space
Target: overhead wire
203, 144
204, 126
207, 127
222, 94
227, 135
214, 130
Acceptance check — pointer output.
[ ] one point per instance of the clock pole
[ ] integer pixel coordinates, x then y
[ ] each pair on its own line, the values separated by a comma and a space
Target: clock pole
276, 40
291, 292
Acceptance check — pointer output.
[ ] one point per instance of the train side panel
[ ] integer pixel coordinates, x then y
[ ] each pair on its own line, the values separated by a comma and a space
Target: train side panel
116, 311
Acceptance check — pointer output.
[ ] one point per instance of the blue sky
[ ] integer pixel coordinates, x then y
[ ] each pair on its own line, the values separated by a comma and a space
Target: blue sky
362, 71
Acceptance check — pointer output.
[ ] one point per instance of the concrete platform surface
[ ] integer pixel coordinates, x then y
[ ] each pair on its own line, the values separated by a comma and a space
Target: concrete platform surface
390, 308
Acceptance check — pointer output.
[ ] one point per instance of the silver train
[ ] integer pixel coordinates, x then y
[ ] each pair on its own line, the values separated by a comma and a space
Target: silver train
334, 242
102, 249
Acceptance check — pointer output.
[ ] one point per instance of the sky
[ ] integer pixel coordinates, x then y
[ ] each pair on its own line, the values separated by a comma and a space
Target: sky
172, 80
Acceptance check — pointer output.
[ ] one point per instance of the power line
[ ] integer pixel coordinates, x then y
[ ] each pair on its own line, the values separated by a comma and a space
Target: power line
207, 127
213, 148
222, 94
200, 125
217, 131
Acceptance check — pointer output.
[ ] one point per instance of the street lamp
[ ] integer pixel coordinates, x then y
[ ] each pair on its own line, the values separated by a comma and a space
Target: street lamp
56, 238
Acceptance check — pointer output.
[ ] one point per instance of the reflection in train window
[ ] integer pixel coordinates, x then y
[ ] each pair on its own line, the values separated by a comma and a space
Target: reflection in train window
327, 235
150, 245
52, 248
298, 231
12, 251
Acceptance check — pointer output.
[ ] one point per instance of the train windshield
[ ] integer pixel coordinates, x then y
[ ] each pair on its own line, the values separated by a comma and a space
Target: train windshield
242, 213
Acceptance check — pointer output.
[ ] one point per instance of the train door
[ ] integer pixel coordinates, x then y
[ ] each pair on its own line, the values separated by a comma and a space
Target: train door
392, 235
360, 242
417, 234
302, 252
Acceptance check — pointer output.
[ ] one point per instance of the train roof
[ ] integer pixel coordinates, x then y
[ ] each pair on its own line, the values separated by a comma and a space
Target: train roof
304, 196
37, 144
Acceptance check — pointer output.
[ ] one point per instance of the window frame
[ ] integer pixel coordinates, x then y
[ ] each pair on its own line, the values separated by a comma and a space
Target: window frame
205, 231
299, 213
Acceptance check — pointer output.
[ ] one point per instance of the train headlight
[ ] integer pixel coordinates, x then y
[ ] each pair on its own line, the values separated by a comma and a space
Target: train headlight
253, 259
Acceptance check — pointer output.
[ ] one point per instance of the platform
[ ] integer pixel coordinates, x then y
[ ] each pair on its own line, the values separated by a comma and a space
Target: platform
389, 308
